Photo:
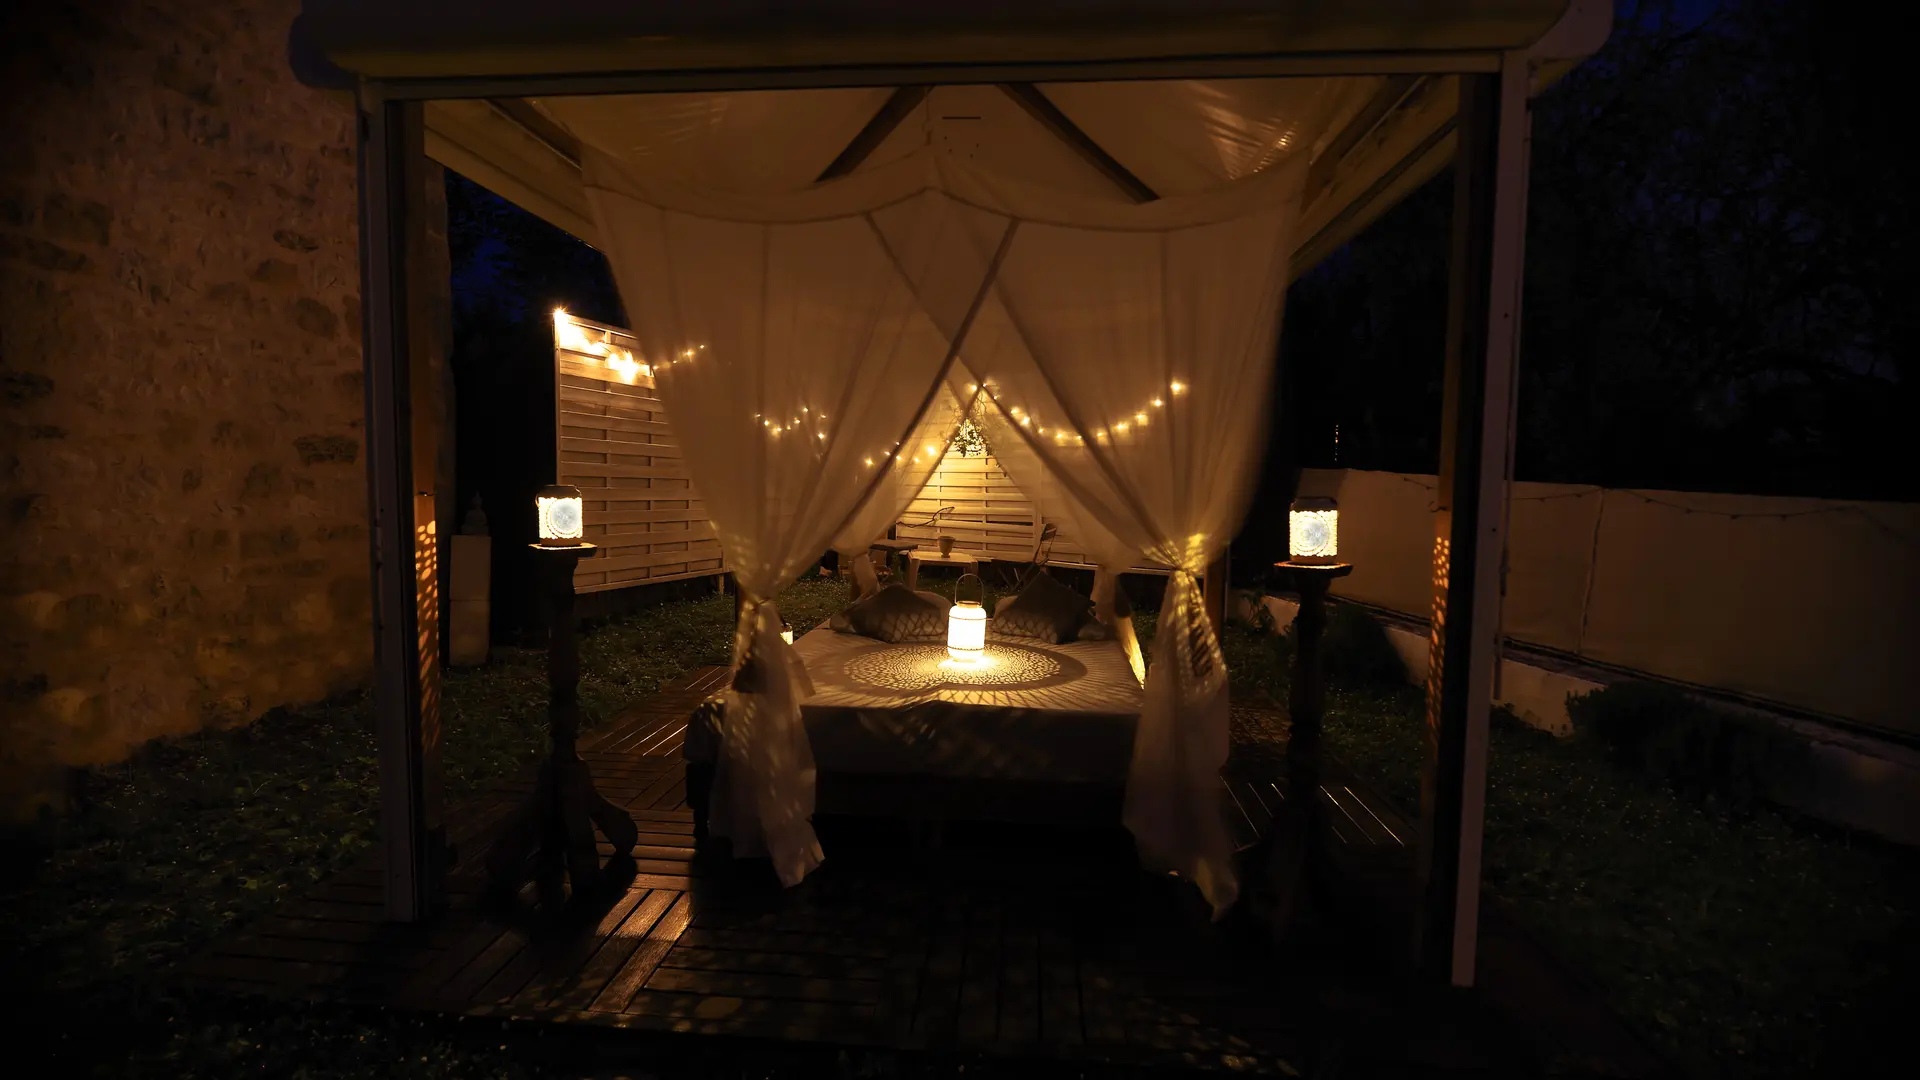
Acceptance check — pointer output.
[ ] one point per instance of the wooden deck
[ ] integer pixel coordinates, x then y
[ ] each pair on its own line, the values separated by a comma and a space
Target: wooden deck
1001, 941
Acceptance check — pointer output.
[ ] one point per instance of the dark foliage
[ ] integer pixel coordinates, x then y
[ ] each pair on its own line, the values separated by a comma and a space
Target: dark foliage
1670, 738
510, 270
1719, 252
1356, 651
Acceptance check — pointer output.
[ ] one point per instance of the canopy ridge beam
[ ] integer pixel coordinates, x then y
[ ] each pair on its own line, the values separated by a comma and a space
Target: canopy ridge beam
1393, 92
896, 108
1041, 108
521, 112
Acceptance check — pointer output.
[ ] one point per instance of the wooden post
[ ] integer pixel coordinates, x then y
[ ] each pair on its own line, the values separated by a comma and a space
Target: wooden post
1489, 228
552, 831
1306, 716
402, 453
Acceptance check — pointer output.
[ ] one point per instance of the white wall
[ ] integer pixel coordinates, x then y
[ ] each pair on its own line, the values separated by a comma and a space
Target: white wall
1813, 604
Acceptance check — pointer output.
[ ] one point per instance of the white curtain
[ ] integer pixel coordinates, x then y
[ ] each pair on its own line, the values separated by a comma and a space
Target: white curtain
1125, 350
1127, 355
805, 383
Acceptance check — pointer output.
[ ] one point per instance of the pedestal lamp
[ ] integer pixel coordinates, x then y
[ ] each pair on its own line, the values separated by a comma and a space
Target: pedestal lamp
1313, 544
552, 832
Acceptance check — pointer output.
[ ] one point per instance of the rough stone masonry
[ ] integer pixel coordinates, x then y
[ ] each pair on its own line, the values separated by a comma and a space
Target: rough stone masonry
181, 487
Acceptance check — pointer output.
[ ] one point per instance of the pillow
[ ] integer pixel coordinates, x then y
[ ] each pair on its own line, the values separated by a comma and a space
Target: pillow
898, 614
1045, 610
1094, 630
841, 622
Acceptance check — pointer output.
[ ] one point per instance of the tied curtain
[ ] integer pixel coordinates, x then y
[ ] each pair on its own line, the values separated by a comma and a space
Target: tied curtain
1122, 354
1126, 358
806, 386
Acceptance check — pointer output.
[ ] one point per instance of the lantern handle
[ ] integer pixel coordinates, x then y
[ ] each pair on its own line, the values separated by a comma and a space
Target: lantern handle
979, 590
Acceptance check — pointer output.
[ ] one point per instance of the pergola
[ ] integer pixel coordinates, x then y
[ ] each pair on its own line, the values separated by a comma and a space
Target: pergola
1370, 98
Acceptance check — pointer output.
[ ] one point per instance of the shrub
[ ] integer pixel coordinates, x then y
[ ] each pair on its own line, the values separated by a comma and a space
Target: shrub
1676, 740
1356, 651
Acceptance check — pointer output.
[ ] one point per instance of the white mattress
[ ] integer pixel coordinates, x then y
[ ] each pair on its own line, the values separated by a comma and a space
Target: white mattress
884, 709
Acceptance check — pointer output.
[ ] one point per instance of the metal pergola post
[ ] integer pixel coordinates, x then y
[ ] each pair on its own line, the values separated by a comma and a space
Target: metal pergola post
403, 532
1489, 234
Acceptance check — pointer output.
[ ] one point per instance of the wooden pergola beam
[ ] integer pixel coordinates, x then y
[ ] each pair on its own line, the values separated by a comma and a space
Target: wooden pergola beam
540, 126
401, 478
1393, 90
896, 108
1041, 108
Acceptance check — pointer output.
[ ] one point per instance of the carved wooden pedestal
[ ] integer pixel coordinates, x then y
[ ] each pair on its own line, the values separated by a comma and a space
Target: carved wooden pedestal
1300, 872
552, 833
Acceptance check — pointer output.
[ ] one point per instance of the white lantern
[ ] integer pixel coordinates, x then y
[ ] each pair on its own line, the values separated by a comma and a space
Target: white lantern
786, 631
967, 624
1313, 531
562, 520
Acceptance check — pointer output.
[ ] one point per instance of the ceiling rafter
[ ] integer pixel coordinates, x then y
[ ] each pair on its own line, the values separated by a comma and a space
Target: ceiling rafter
1393, 91
1041, 108
895, 109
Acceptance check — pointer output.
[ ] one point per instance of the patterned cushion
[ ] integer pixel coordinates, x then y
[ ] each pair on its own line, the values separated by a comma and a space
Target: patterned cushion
897, 614
1044, 611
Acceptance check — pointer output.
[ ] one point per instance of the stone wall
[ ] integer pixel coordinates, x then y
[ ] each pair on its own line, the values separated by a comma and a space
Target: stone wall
181, 486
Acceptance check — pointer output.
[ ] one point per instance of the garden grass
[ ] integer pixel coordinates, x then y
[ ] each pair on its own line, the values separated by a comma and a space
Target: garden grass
1753, 944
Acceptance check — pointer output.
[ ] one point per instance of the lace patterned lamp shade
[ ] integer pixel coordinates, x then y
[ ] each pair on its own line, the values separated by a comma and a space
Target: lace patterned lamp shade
562, 520
1313, 531
967, 621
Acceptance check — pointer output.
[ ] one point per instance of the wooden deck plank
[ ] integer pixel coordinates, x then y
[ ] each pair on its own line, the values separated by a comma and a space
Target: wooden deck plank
1244, 825
646, 956
646, 798
1059, 990
674, 796
782, 942
467, 983
936, 1011
606, 962
757, 985
979, 1019
557, 966
749, 962
1019, 1020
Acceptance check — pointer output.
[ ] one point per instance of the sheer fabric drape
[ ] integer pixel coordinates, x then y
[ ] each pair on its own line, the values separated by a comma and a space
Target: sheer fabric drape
805, 384
1127, 365
1125, 353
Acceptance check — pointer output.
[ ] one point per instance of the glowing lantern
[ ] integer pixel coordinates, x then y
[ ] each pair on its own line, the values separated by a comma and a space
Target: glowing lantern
967, 623
1313, 531
786, 631
562, 522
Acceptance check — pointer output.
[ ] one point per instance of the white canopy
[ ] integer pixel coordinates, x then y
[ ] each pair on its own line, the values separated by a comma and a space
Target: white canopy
1367, 139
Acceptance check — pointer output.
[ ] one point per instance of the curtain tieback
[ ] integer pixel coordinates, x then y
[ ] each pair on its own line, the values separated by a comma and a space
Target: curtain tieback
751, 676
1202, 644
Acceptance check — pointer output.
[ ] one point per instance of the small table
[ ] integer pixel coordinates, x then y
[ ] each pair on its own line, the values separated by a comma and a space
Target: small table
970, 564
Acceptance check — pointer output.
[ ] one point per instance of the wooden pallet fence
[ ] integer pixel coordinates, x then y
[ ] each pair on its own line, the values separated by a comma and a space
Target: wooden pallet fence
990, 516
614, 443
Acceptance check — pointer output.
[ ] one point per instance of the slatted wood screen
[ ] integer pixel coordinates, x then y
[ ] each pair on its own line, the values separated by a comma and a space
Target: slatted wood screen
990, 517
615, 445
